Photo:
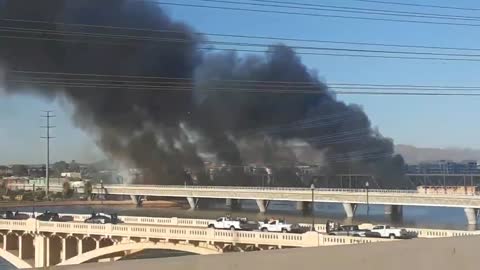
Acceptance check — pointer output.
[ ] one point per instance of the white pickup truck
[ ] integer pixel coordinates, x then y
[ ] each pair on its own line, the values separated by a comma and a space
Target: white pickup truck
233, 224
276, 225
385, 231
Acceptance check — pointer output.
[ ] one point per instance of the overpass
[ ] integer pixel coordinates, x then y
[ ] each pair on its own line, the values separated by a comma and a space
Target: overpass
349, 198
33, 243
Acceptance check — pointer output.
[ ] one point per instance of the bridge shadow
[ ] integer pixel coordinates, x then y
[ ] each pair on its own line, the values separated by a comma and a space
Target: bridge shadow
155, 253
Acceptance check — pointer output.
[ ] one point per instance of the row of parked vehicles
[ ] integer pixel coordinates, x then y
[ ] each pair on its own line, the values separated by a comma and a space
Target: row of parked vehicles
229, 223
268, 225
279, 225
95, 218
378, 231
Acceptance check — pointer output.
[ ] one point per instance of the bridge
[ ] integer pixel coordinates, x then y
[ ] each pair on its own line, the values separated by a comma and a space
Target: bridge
32, 243
349, 198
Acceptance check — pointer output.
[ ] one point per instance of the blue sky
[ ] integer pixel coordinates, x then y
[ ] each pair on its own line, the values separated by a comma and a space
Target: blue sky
420, 121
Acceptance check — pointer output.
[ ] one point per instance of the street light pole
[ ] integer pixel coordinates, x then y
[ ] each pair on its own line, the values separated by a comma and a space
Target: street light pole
368, 205
34, 199
312, 187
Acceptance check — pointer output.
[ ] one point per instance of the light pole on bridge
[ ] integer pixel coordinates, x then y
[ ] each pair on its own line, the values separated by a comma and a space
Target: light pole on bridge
368, 205
312, 187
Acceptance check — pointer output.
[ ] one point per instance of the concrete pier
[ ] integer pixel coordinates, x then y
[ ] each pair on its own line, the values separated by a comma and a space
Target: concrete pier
395, 211
232, 203
303, 206
262, 205
192, 203
350, 209
472, 214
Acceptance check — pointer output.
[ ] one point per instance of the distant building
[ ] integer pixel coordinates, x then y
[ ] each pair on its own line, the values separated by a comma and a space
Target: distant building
43, 181
444, 167
36, 170
6, 171
71, 175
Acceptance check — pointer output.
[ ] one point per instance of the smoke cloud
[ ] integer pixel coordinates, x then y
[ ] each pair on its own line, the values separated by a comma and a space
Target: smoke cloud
224, 108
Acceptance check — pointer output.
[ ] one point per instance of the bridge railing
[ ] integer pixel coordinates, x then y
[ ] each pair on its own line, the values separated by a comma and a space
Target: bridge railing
309, 239
191, 187
20, 225
203, 223
182, 233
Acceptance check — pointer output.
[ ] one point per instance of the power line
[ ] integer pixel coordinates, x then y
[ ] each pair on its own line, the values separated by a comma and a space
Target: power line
301, 52
330, 118
242, 90
417, 5
153, 84
330, 8
316, 14
246, 44
364, 9
235, 85
110, 27
188, 81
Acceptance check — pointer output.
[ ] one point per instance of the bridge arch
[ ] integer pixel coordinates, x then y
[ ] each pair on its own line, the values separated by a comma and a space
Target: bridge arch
138, 246
14, 260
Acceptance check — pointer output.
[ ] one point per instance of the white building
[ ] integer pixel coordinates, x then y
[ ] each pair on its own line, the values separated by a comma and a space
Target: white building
71, 174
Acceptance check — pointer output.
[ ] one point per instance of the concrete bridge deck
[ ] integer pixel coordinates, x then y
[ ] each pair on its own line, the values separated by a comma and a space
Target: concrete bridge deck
28, 243
32, 243
350, 198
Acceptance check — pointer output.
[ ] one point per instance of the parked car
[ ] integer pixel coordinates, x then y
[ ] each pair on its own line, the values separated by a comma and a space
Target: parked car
276, 225
49, 216
103, 219
385, 231
348, 230
233, 224
13, 215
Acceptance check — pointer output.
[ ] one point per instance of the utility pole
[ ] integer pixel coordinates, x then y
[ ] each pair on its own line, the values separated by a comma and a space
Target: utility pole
47, 115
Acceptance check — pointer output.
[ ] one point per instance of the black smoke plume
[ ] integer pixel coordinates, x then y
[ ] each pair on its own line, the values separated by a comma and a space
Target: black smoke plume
227, 105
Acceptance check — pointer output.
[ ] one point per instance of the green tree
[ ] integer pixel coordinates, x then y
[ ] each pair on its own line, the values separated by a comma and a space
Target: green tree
59, 167
20, 170
74, 166
67, 191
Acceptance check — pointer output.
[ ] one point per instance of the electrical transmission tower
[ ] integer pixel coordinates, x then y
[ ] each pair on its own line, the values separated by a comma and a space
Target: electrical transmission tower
47, 128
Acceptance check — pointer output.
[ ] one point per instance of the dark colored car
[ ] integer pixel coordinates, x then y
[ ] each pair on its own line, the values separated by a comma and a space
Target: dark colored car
348, 230
49, 216
103, 219
13, 215
248, 225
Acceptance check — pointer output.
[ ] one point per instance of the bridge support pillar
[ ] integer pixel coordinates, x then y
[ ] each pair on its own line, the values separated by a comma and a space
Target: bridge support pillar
25, 246
79, 246
137, 199
11, 241
192, 202
232, 203
471, 214
262, 205
63, 252
71, 248
40, 243
395, 211
302, 206
350, 209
